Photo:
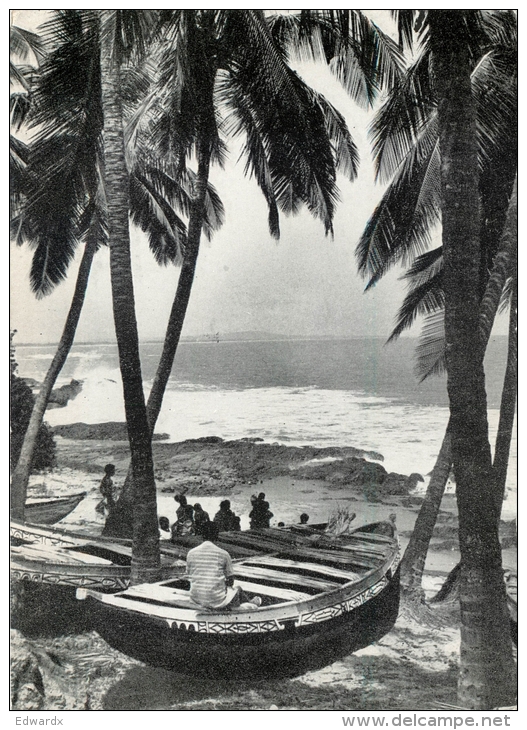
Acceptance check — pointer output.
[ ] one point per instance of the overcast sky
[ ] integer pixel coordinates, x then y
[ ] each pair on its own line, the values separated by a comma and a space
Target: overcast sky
304, 284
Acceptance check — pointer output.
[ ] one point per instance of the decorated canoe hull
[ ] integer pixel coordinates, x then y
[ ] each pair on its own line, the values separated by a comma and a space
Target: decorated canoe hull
285, 639
288, 652
53, 557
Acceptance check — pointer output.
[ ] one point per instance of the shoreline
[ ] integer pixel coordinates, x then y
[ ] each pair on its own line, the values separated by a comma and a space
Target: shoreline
294, 479
414, 667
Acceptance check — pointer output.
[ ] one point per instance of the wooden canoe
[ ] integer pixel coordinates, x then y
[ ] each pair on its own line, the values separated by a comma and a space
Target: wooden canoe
51, 510
322, 598
60, 558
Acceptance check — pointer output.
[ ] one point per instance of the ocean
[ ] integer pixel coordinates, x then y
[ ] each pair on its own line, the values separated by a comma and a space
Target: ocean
323, 392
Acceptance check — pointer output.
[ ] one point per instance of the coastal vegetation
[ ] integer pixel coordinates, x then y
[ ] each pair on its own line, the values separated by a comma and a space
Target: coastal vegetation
21, 403
445, 137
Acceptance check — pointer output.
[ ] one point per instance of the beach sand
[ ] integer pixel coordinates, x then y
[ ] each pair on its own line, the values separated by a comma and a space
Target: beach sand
414, 667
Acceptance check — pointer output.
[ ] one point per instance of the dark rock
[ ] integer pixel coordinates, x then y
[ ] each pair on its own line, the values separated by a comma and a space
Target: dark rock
61, 396
111, 431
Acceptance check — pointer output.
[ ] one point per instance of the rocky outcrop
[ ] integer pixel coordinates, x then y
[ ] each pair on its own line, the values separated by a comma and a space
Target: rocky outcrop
60, 397
111, 431
210, 465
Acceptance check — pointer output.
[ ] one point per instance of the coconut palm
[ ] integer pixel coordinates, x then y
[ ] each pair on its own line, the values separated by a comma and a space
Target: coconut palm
222, 74
120, 33
406, 146
405, 140
486, 663
503, 271
60, 200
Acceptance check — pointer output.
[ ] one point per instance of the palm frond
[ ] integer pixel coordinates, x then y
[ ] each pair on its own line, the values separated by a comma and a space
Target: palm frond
362, 57
429, 263
405, 27
346, 152
430, 352
500, 28
21, 75
66, 98
19, 106
494, 83
187, 69
290, 121
60, 181
149, 210
401, 225
398, 123
24, 44
18, 155
368, 60
424, 298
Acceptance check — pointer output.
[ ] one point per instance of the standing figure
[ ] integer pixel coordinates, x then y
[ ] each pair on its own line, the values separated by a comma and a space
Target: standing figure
107, 503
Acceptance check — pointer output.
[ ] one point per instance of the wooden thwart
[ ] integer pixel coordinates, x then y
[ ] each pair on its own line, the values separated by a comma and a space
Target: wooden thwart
274, 562
245, 571
328, 557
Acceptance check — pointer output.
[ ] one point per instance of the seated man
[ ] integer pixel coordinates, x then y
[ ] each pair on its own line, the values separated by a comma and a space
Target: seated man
209, 569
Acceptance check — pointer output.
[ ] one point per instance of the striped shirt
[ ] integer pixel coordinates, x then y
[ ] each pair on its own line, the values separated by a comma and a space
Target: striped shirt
208, 566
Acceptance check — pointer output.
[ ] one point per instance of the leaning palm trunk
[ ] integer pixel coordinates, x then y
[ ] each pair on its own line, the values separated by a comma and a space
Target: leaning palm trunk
145, 550
119, 523
22, 470
414, 558
508, 403
486, 675
413, 562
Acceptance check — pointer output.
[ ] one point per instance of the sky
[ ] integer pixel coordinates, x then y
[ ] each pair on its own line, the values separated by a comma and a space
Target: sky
305, 284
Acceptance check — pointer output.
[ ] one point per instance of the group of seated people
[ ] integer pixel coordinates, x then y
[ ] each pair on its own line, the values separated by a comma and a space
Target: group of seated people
191, 519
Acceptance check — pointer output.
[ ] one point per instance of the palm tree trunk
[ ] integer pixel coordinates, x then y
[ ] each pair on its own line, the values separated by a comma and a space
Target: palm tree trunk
413, 562
145, 550
486, 677
508, 403
118, 523
22, 470
415, 554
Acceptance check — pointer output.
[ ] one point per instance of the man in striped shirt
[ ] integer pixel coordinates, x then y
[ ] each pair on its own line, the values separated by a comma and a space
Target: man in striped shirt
209, 569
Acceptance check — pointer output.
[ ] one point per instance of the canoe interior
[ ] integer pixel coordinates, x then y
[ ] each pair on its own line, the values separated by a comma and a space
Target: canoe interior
321, 599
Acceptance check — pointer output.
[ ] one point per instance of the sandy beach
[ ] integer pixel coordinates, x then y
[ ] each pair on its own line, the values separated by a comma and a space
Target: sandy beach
414, 667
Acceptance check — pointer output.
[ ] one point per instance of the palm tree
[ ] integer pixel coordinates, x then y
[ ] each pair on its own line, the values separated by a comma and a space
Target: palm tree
294, 141
486, 677
59, 200
413, 562
406, 145
435, 159
120, 33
